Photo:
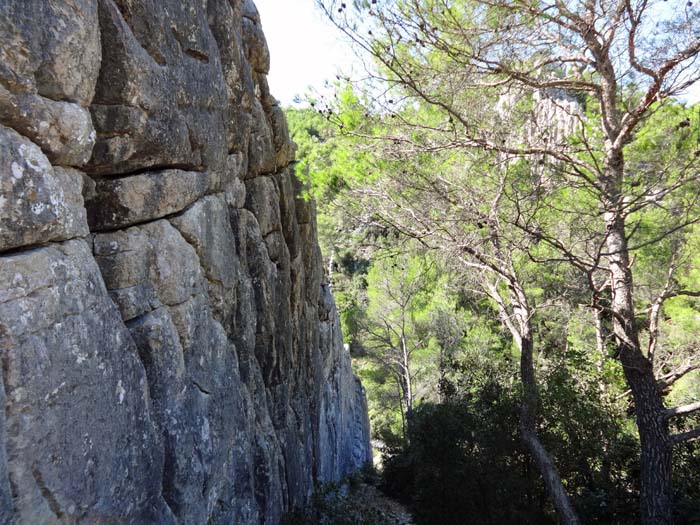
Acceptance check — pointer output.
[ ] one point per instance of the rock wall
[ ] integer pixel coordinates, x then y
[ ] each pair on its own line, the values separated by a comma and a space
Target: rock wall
170, 352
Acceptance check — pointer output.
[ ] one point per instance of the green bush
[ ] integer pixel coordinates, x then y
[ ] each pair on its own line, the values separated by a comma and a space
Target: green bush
463, 465
464, 461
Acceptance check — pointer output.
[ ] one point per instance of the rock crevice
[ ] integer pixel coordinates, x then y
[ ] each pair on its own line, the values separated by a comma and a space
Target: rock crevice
170, 352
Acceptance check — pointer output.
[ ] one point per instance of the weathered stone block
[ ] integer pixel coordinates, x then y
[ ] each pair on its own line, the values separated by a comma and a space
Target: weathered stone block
38, 203
161, 98
261, 149
285, 182
207, 227
254, 40
263, 200
49, 61
63, 130
64, 346
117, 203
50, 48
153, 263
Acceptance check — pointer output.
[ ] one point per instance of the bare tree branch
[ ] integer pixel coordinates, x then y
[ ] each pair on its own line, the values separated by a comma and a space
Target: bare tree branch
684, 437
681, 410
667, 381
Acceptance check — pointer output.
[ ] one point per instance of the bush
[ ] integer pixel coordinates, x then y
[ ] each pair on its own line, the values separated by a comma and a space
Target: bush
464, 461
463, 465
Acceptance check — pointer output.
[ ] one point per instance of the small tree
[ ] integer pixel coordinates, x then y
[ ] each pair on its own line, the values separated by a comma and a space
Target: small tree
398, 288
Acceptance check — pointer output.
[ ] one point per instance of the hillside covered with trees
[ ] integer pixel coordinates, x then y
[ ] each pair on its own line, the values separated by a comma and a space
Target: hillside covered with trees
508, 211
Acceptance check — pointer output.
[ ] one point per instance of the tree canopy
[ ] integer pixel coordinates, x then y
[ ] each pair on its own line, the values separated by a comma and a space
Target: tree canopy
537, 151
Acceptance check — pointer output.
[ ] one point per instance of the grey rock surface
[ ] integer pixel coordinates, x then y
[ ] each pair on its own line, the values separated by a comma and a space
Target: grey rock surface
49, 61
124, 201
63, 130
80, 440
170, 353
6, 505
38, 202
161, 98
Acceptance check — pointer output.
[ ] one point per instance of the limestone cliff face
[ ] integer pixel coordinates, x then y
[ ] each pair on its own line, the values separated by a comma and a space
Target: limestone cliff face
170, 352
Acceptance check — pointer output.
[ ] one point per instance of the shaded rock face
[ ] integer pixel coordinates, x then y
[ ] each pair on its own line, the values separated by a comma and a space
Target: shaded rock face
170, 352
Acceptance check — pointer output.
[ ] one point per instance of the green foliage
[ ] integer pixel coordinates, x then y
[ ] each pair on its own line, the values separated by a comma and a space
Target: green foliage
460, 453
465, 460
394, 168
328, 156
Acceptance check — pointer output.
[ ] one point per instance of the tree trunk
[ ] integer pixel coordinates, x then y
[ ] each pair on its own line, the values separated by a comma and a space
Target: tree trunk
402, 397
528, 432
408, 383
600, 347
519, 324
656, 496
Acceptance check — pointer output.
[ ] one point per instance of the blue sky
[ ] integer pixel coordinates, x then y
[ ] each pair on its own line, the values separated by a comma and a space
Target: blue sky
307, 50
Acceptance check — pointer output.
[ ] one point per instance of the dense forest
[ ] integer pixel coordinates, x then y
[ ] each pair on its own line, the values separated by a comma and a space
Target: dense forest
508, 211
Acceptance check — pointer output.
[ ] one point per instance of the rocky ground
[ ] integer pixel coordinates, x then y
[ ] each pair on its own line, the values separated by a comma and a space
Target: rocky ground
353, 502
371, 502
